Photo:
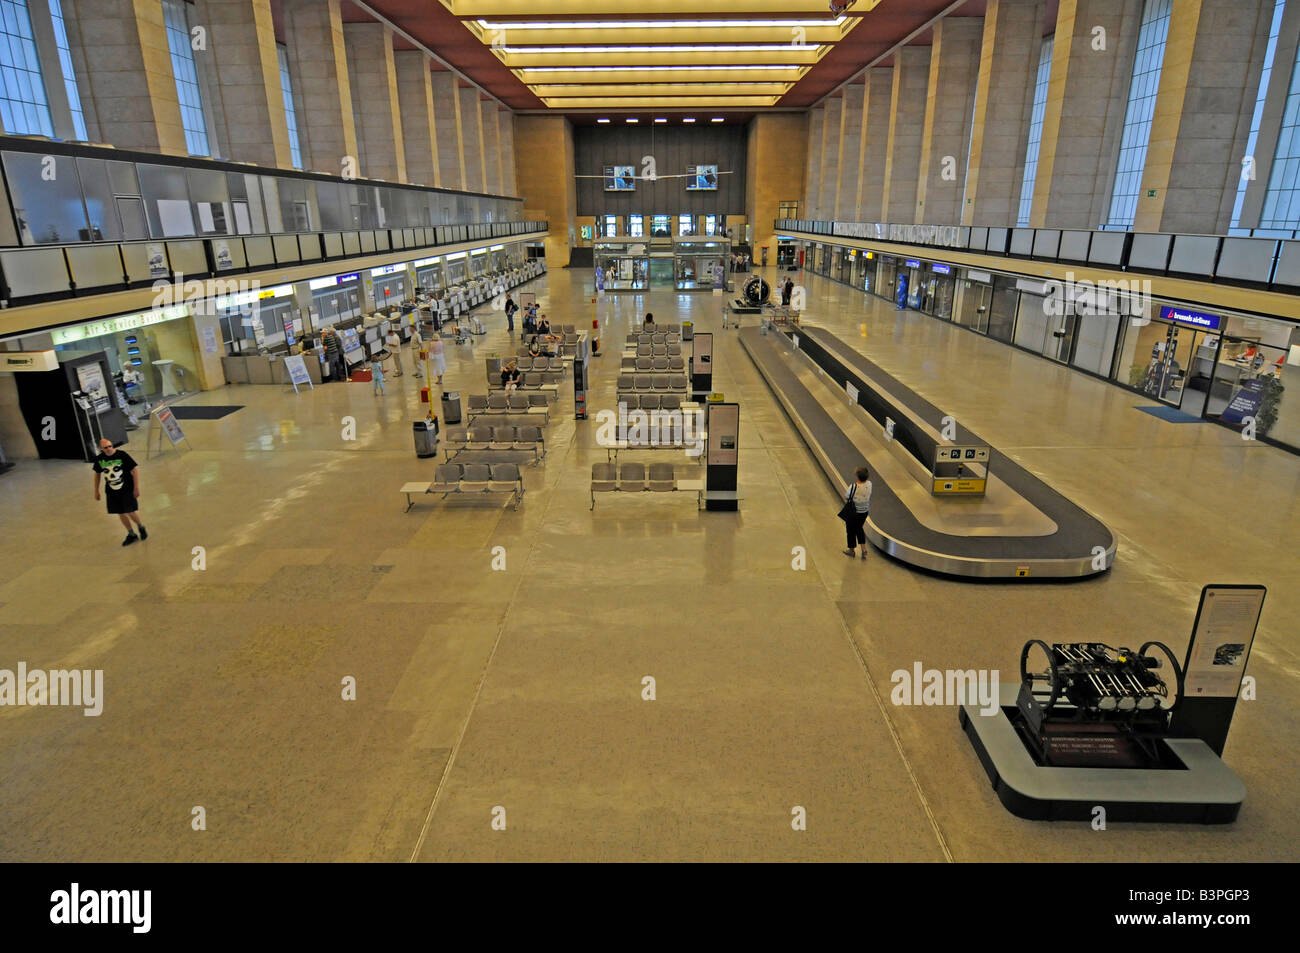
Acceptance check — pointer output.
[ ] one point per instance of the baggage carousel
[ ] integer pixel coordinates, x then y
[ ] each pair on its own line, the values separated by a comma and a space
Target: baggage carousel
842, 405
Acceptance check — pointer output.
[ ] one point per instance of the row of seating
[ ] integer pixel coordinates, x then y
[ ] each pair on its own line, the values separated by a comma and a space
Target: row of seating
470, 478
527, 362
658, 350
532, 380
651, 401
654, 337
654, 364
480, 437
645, 383
513, 402
631, 478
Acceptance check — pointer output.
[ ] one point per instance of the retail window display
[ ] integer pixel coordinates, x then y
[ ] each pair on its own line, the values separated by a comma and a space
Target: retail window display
150, 356
1258, 367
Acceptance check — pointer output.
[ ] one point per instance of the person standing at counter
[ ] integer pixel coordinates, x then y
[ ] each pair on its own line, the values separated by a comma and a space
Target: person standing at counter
417, 345
333, 354
121, 476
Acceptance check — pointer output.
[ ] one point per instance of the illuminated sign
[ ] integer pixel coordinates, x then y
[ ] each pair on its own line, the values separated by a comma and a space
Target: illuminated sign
386, 270
942, 269
1195, 318
248, 297
125, 322
496, 247
456, 257
912, 263
422, 262
316, 284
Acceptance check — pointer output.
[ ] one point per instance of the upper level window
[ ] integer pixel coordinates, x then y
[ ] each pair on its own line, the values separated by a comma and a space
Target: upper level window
1035, 131
1150, 57
710, 225
1282, 200
685, 224
24, 108
65, 66
636, 226
176, 18
611, 226
290, 114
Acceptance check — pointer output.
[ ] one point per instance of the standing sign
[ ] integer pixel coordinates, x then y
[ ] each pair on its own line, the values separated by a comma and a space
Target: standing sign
1222, 635
1245, 403
297, 369
167, 424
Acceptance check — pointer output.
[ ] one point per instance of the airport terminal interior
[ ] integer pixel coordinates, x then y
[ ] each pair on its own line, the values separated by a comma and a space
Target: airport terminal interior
430, 430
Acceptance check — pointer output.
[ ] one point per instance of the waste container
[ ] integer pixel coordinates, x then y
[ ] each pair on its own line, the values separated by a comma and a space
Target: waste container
426, 438
688, 331
451, 406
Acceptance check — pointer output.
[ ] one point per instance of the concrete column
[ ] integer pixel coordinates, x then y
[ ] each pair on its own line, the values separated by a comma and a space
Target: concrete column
127, 74
1208, 85
906, 128
830, 157
506, 131
813, 180
546, 180
950, 106
471, 139
491, 147
776, 159
1004, 104
1084, 118
446, 112
873, 147
850, 157
318, 65
374, 72
1270, 125
247, 101
415, 103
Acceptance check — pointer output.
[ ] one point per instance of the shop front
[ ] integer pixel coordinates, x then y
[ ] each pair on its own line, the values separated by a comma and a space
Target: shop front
887, 276
150, 355
940, 289
787, 252
622, 266
864, 271
696, 265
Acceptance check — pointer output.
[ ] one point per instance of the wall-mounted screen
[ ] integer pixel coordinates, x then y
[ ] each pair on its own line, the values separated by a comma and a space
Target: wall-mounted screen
620, 178
702, 178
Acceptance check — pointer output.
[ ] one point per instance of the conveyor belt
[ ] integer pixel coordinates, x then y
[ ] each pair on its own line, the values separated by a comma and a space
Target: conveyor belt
1070, 551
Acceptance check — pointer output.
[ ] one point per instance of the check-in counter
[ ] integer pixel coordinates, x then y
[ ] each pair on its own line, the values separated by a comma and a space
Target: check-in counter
235, 369
259, 369
310, 361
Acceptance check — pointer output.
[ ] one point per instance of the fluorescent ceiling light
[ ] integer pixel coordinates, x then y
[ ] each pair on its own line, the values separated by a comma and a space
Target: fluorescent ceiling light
638, 69
661, 120
655, 24
689, 119
716, 119
765, 47
602, 120
631, 120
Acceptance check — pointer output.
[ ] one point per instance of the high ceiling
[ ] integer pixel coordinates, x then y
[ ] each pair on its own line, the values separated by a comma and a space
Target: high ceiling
729, 58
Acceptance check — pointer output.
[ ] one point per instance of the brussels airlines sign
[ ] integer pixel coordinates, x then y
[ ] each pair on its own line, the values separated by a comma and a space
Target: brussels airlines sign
1197, 319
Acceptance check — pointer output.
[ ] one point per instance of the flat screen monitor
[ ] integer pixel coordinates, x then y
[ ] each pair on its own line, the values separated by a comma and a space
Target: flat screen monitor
702, 178
620, 178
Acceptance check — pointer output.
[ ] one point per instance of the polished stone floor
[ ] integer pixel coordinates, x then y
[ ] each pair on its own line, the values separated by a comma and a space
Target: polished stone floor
506, 685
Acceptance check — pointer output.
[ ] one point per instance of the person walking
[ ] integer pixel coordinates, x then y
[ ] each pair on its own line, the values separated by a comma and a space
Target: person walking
121, 475
787, 291
511, 308
377, 375
857, 506
439, 361
394, 343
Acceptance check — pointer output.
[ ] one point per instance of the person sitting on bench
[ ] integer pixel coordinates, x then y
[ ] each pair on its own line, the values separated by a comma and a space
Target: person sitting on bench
510, 375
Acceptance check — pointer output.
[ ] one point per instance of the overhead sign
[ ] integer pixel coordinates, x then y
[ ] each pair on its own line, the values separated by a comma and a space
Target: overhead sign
29, 360
941, 269
125, 322
1196, 319
912, 263
386, 270
422, 262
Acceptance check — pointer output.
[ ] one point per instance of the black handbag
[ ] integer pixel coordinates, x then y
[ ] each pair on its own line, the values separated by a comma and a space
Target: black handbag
848, 510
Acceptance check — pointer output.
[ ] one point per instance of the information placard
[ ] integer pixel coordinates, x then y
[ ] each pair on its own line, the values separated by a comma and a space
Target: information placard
298, 374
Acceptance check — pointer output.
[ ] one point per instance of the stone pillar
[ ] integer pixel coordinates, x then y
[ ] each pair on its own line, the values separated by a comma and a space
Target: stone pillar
906, 128
776, 157
1208, 84
873, 147
491, 147
415, 103
374, 75
127, 74
506, 131
1004, 103
446, 112
950, 106
248, 103
1084, 118
850, 157
47, 51
318, 65
546, 180
471, 139
830, 157
813, 180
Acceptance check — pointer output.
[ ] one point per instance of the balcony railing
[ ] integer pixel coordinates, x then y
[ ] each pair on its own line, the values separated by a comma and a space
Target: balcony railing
28, 275
1266, 263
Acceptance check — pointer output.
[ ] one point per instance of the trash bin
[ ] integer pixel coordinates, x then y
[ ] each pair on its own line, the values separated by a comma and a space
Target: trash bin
451, 406
426, 438
688, 331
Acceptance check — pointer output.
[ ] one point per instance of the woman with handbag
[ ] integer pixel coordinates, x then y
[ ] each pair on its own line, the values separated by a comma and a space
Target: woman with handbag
857, 504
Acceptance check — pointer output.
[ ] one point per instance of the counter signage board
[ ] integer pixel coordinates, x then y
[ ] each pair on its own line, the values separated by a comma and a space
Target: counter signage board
297, 369
1245, 403
170, 425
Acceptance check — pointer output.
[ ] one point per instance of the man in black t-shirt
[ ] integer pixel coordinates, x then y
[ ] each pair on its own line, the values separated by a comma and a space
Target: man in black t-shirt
122, 487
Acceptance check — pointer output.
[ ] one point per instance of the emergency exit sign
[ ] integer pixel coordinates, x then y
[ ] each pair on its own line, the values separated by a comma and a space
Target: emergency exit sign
1151, 193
